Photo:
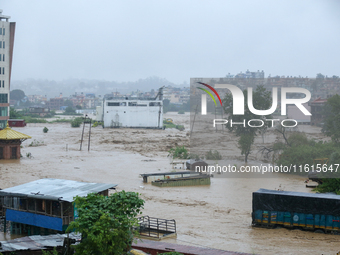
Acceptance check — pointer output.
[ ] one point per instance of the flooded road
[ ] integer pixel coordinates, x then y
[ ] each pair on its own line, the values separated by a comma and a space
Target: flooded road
216, 216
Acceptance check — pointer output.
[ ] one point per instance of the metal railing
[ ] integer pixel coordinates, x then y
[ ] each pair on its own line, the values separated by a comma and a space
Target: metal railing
155, 227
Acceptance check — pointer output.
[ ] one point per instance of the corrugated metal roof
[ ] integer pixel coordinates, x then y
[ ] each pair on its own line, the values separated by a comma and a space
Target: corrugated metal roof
36, 242
10, 134
299, 194
56, 189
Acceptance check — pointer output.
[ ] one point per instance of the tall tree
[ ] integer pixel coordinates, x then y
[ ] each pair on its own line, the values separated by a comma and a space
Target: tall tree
17, 94
262, 100
331, 113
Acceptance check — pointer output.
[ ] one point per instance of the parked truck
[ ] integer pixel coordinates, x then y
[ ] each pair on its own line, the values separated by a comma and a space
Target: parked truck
308, 211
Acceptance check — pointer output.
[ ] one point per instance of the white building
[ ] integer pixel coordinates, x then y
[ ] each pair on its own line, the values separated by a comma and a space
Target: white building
133, 113
7, 30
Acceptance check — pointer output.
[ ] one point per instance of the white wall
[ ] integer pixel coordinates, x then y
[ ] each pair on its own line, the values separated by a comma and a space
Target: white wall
133, 116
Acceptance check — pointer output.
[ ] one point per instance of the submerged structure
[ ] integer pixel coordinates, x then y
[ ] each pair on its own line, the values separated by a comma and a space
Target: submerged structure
132, 113
317, 212
10, 142
45, 206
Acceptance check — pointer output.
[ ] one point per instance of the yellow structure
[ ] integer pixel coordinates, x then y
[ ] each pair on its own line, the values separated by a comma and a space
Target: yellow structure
10, 141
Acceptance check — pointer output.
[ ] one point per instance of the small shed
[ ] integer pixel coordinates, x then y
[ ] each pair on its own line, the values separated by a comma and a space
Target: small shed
45, 206
10, 141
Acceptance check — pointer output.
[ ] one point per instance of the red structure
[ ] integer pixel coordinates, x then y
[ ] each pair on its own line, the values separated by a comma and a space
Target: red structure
16, 123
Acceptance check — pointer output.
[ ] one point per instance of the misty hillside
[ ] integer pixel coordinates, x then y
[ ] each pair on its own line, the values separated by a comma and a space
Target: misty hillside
52, 88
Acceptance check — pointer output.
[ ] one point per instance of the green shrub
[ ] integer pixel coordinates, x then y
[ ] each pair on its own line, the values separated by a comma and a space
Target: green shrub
62, 120
178, 152
29, 119
45, 129
76, 122
97, 123
213, 155
180, 127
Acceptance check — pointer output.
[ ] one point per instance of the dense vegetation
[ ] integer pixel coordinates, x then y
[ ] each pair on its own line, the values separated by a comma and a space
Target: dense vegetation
106, 223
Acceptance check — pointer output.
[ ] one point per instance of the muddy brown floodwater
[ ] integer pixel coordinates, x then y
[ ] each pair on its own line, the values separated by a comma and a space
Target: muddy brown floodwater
217, 216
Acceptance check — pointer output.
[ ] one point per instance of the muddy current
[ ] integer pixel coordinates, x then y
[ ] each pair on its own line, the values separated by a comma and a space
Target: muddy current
216, 216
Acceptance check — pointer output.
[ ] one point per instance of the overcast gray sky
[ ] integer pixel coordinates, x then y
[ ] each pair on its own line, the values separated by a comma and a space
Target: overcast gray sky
176, 40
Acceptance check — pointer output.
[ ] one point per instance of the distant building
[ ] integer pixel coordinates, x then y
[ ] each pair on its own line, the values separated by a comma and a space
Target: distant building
249, 75
39, 110
55, 103
45, 206
317, 111
7, 30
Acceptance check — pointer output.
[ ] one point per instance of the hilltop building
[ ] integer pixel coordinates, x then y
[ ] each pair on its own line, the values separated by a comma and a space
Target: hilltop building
7, 30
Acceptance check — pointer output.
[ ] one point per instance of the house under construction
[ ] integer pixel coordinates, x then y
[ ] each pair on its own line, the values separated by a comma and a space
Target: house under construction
132, 113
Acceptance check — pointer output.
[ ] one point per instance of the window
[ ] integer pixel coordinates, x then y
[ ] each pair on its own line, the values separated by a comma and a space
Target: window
14, 152
154, 104
0, 44
0, 57
3, 70
3, 111
0, 70
113, 104
3, 57
3, 31
3, 124
3, 97
3, 44
3, 84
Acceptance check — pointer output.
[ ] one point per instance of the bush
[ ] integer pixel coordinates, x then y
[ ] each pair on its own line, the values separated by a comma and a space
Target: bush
180, 127
29, 119
213, 155
97, 123
76, 122
45, 129
62, 120
178, 152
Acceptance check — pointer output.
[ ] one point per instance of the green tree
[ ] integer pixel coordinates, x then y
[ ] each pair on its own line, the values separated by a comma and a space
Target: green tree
17, 94
245, 142
106, 223
69, 109
68, 102
14, 114
78, 107
262, 100
331, 115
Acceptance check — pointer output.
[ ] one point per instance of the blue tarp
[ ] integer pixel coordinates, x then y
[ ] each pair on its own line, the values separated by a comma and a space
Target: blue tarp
34, 219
